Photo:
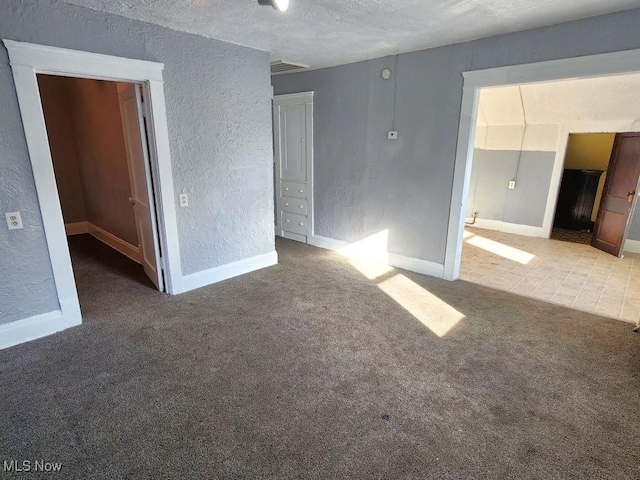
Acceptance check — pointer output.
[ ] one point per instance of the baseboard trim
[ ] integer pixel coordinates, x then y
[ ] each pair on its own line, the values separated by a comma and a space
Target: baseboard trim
393, 259
76, 228
294, 236
506, 227
632, 246
327, 243
35, 327
125, 248
230, 270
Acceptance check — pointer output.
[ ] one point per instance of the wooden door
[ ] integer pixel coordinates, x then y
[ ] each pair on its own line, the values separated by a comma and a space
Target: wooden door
618, 195
140, 176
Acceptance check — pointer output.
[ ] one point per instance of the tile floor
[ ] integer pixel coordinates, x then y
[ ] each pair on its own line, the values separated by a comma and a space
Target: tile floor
570, 274
571, 236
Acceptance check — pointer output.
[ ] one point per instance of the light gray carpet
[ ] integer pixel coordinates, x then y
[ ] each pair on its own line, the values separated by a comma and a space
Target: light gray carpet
308, 370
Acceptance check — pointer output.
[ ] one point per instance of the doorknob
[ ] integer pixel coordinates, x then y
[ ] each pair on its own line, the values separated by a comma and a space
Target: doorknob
132, 200
630, 196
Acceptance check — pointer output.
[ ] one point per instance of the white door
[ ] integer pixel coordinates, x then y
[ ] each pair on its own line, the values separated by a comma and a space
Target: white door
140, 176
293, 142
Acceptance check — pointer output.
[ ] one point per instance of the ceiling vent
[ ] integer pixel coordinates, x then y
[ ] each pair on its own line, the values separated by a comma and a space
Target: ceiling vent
284, 67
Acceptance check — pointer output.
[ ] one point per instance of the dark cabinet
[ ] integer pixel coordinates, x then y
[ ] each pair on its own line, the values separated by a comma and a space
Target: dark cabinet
576, 198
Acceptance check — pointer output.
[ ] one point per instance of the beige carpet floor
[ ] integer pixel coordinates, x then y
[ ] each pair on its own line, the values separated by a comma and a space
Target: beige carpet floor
310, 369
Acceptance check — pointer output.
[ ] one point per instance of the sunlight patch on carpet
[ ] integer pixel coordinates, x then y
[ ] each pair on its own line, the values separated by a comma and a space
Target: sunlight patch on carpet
369, 255
434, 313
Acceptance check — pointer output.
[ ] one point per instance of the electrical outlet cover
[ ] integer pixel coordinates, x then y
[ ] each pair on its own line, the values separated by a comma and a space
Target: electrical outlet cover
14, 221
392, 135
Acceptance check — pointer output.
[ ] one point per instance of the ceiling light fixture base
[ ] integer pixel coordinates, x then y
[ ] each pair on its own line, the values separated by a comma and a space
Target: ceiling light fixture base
279, 5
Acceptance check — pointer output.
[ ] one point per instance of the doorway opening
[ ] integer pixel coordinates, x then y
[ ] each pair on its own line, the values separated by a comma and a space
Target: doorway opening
589, 66
584, 172
100, 154
27, 60
522, 150
599, 195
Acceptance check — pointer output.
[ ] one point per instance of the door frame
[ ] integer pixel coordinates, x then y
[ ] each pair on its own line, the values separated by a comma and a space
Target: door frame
600, 65
300, 98
27, 60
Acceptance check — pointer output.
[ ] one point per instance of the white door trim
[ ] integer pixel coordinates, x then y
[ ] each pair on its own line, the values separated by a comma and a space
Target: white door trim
27, 60
295, 99
605, 64
554, 184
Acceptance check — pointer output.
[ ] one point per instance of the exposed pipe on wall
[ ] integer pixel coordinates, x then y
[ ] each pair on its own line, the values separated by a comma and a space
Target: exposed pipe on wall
524, 132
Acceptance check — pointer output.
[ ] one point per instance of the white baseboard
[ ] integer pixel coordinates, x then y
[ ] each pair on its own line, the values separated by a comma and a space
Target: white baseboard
515, 228
294, 236
76, 228
327, 243
35, 327
632, 246
125, 248
393, 259
230, 270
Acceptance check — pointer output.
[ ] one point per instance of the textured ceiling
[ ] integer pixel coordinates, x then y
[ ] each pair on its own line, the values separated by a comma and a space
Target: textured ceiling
563, 102
323, 33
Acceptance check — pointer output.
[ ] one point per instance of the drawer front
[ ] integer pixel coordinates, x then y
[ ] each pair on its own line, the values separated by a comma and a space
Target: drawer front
292, 189
294, 205
294, 223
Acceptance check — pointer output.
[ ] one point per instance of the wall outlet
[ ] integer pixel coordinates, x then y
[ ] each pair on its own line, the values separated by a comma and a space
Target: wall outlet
392, 134
184, 200
14, 221
512, 184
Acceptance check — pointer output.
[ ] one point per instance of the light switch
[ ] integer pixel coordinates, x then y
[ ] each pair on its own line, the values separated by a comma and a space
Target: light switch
184, 200
14, 221
392, 134
512, 184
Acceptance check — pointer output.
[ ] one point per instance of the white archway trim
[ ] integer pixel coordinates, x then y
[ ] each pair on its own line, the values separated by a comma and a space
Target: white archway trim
600, 65
27, 60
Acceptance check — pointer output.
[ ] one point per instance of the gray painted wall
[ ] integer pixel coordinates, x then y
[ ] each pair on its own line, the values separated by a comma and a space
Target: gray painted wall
102, 156
525, 205
489, 194
56, 105
89, 153
365, 183
218, 108
634, 227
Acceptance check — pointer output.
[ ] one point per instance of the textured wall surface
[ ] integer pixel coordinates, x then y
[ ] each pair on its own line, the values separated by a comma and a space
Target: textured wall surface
102, 156
89, 153
365, 183
634, 227
56, 104
26, 279
218, 109
589, 151
489, 194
